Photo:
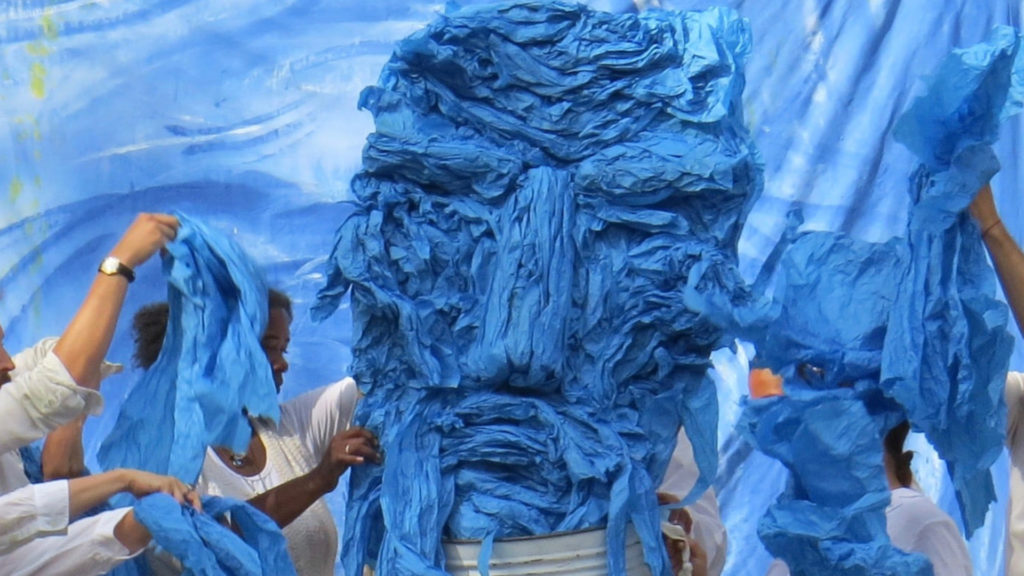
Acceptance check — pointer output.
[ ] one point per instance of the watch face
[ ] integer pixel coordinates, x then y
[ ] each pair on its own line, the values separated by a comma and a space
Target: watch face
110, 266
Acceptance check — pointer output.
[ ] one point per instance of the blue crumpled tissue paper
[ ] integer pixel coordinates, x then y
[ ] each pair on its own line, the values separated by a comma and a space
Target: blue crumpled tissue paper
211, 366
869, 334
206, 547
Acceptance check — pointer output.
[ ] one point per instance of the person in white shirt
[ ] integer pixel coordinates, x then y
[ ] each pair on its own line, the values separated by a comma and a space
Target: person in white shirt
914, 523
38, 530
702, 519
289, 466
1008, 260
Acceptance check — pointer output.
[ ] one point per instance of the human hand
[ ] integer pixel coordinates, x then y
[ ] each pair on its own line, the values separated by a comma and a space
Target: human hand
352, 447
681, 547
679, 516
147, 234
698, 558
139, 484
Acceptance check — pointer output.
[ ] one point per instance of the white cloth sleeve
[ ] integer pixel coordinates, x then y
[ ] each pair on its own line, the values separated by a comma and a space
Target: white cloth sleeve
28, 359
37, 401
88, 549
708, 528
31, 512
1014, 395
318, 415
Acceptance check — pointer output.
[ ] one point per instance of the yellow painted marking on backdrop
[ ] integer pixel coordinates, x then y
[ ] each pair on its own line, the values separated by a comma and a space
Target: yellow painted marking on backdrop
37, 81
38, 49
49, 27
16, 187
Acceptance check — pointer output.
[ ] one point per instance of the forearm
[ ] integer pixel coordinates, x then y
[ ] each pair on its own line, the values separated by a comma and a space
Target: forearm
63, 456
87, 338
90, 491
288, 501
1009, 264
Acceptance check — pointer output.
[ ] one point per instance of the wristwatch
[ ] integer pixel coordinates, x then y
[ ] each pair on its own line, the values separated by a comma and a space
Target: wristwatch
112, 267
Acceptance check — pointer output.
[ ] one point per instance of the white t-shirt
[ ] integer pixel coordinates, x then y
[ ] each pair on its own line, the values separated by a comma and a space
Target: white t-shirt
294, 447
708, 529
916, 525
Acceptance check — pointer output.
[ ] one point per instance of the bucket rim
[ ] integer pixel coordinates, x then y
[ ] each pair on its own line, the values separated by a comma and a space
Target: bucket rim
522, 538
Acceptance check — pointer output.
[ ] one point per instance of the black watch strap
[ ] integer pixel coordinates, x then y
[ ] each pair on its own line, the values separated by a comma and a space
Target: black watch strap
112, 267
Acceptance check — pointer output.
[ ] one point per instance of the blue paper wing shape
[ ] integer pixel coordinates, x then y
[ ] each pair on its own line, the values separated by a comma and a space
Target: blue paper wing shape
947, 348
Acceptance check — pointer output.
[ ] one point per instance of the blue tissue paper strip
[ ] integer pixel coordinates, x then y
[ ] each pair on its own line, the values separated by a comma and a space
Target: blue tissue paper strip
551, 197
867, 335
211, 366
205, 547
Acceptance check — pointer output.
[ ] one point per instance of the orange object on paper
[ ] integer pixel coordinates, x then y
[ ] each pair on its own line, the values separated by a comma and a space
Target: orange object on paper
764, 383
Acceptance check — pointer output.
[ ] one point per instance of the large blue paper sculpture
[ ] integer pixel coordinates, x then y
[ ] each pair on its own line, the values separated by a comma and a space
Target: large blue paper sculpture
550, 194
869, 334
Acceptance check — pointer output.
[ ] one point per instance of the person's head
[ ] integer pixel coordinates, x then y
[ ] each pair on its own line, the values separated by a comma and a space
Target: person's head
897, 462
278, 335
6, 363
150, 324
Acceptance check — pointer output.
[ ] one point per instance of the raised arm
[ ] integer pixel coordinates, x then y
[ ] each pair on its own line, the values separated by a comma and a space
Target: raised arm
1006, 254
87, 337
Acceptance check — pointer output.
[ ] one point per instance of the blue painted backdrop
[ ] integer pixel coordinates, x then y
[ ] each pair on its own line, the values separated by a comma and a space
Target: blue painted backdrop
243, 113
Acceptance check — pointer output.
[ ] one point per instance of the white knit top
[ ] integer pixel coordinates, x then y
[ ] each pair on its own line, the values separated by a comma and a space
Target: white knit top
294, 447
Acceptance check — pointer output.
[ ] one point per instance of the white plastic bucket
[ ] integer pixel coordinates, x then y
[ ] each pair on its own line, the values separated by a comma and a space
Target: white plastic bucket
581, 553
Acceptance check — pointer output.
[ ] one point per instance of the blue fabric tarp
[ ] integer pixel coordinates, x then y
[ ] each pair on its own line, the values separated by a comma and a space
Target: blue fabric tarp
545, 185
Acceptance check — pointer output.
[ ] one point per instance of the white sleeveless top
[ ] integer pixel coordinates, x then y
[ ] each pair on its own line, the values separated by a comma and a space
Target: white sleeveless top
294, 447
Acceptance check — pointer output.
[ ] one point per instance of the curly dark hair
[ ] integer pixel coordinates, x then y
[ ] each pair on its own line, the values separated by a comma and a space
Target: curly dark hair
148, 328
149, 325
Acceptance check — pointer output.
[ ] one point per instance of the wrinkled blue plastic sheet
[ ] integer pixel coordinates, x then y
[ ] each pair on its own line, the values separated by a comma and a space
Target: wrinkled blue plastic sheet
206, 547
947, 349
908, 329
211, 367
545, 186
831, 519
